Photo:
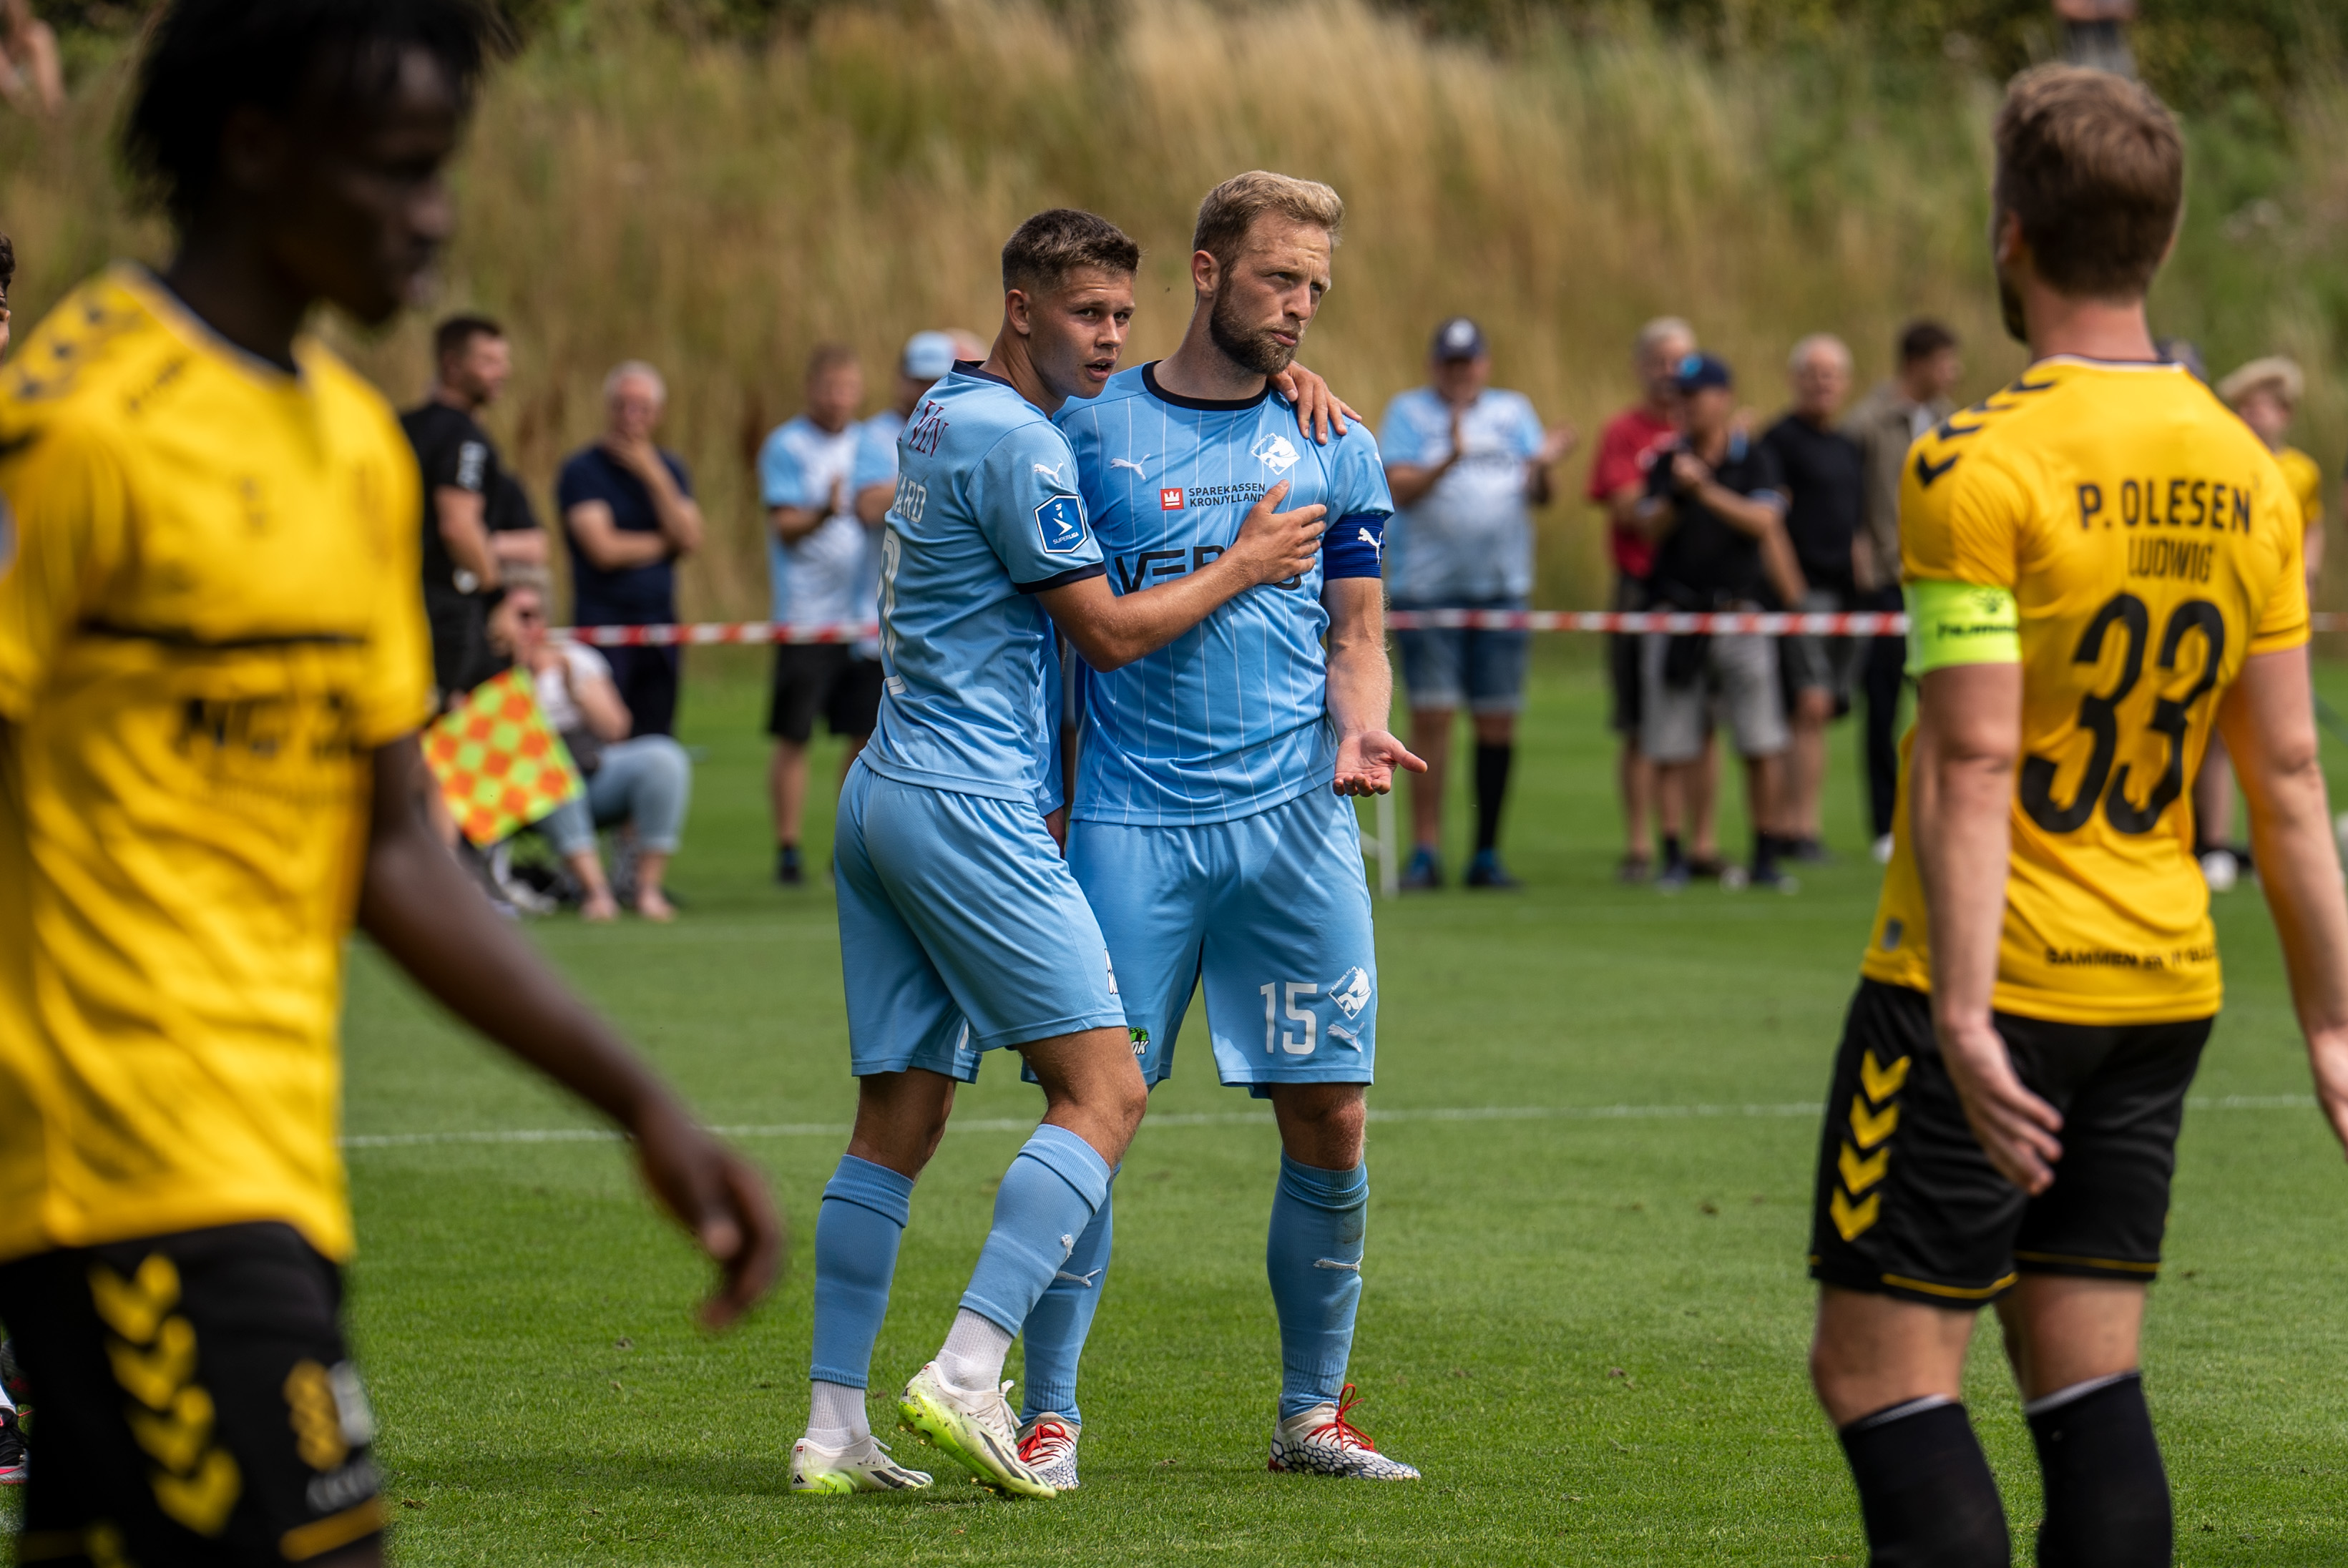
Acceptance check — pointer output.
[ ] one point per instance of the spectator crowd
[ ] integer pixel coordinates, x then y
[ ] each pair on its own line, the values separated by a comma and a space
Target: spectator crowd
1707, 505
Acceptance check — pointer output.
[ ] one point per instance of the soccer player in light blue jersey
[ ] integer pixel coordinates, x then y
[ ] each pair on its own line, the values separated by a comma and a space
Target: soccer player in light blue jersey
1211, 829
961, 928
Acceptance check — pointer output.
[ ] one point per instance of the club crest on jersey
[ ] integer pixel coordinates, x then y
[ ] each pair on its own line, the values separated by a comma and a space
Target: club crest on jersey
1060, 525
1170, 498
1275, 451
1350, 991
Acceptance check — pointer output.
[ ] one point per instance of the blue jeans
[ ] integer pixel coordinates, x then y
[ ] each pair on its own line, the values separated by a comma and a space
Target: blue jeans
647, 781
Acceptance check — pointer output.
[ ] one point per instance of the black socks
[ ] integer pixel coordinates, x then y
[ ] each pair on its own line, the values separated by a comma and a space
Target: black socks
1925, 1489
1491, 786
2107, 1494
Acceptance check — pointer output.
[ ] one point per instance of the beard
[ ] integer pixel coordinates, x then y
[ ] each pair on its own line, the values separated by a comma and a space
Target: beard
1250, 347
2009, 304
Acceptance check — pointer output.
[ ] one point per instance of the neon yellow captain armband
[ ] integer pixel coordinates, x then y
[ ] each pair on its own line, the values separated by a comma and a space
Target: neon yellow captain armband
1961, 623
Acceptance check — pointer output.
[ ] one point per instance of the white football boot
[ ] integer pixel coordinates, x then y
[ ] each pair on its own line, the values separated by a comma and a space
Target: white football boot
1320, 1441
863, 1466
975, 1428
1047, 1444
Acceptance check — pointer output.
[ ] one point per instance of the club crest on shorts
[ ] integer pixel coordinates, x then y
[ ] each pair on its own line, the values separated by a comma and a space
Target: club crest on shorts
1275, 451
1060, 525
1351, 992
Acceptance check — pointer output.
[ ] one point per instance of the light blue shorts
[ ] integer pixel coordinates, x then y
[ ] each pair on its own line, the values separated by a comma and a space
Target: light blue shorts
960, 929
1271, 912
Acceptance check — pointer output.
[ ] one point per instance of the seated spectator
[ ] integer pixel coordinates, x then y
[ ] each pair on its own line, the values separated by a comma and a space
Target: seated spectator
640, 786
627, 508
1826, 483
1715, 506
1466, 462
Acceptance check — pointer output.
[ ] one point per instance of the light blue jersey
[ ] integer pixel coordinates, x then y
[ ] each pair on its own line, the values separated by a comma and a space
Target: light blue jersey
986, 515
1469, 539
1230, 718
822, 577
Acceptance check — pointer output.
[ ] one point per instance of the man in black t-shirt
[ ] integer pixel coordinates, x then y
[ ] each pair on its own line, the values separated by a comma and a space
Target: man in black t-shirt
1825, 482
462, 477
1715, 507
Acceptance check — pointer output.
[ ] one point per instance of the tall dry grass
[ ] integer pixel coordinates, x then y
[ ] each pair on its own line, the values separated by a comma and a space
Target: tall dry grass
628, 193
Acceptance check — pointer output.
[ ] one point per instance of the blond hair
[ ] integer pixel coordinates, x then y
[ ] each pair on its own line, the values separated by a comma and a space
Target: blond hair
2283, 375
1231, 209
2093, 167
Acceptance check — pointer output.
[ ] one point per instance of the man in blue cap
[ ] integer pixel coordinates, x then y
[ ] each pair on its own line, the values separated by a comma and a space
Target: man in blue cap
1716, 506
1466, 463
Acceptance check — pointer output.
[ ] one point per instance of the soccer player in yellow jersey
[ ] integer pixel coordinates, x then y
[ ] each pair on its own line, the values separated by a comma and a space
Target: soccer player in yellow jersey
2102, 564
213, 666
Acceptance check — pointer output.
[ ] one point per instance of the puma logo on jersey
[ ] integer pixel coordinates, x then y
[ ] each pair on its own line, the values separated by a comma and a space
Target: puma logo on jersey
1127, 463
1052, 473
1927, 470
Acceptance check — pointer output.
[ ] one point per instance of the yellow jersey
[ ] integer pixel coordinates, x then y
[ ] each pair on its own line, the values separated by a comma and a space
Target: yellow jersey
209, 618
2115, 530
2305, 477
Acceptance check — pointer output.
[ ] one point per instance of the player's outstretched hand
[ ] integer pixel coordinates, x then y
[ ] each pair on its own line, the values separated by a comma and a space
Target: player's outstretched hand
1366, 763
1274, 546
721, 1198
1317, 408
2017, 1127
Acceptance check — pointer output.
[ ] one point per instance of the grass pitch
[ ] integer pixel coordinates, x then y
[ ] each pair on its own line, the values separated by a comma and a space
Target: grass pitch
1585, 1314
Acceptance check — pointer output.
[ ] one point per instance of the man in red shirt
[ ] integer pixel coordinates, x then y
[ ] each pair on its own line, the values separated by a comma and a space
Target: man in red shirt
1618, 479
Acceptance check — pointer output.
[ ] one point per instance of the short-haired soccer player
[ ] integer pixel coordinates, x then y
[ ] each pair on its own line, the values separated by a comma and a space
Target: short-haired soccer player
212, 665
960, 929
2102, 565
1211, 828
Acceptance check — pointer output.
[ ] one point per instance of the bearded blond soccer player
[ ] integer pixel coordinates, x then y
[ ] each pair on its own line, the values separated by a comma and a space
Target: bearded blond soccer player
2103, 565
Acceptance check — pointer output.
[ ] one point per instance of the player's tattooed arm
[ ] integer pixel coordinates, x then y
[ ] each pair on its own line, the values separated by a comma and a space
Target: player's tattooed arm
425, 912
1968, 744
1112, 630
2269, 723
1361, 689
1318, 409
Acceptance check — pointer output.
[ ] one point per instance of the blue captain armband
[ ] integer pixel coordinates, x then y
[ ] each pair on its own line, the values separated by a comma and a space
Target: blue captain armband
1355, 547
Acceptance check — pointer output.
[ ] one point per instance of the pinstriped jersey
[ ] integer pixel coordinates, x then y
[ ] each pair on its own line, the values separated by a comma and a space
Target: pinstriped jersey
1230, 718
2115, 530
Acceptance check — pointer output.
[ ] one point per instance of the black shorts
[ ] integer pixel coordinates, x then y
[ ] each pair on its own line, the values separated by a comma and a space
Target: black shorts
1908, 1205
825, 678
197, 1403
1622, 662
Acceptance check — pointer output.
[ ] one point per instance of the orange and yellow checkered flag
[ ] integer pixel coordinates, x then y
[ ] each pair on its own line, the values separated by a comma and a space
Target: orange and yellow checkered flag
499, 763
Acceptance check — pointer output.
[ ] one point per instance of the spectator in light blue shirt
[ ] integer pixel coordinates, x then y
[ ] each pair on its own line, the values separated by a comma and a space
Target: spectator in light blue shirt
820, 556
1466, 463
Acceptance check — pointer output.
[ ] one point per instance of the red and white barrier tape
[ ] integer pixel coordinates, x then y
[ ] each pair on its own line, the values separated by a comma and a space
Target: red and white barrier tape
1770, 624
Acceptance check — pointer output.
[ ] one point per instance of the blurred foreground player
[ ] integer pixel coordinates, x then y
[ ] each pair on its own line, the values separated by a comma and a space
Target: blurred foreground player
2102, 564
13, 1464
213, 663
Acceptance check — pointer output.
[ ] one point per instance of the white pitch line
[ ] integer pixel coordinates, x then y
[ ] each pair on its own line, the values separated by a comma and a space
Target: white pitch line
1243, 1118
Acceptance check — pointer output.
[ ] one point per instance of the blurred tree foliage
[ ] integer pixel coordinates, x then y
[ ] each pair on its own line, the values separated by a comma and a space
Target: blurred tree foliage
2227, 56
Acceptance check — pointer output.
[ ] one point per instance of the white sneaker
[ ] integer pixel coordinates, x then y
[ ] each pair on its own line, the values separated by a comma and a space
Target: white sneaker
1047, 1444
975, 1428
1883, 851
862, 1466
1320, 1441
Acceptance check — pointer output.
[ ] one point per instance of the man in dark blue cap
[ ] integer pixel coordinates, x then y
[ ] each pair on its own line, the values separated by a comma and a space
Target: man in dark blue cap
1464, 463
1716, 506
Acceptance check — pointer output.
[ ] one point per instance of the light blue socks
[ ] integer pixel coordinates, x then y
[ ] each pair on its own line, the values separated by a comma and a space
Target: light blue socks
865, 1207
1314, 1258
1047, 1200
1056, 1327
